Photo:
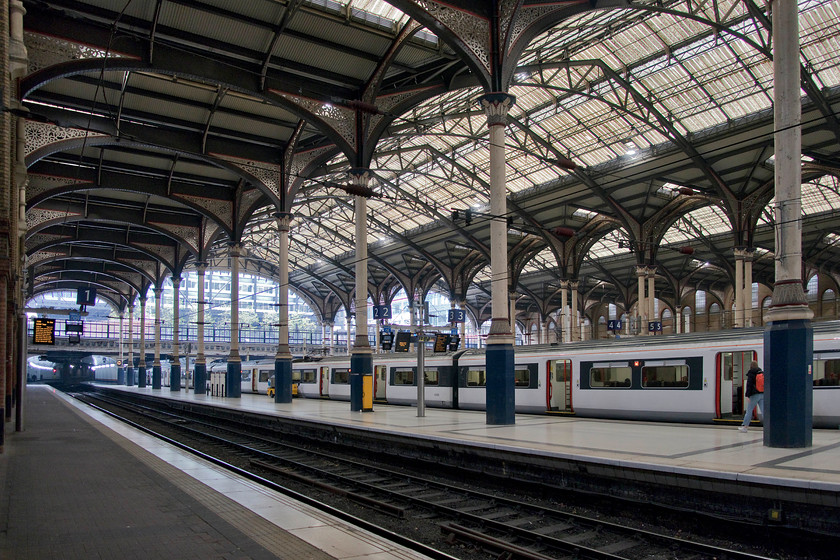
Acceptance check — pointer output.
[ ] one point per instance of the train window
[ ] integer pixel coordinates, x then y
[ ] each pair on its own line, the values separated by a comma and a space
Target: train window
296, 377
341, 376
610, 376
665, 376
522, 376
431, 376
309, 375
826, 372
403, 376
265, 374
476, 378
246, 375
562, 370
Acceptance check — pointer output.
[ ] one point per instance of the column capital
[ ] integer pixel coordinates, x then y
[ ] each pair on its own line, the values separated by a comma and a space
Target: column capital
496, 105
641, 270
564, 284
740, 252
573, 284
284, 221
650, 271
176, 281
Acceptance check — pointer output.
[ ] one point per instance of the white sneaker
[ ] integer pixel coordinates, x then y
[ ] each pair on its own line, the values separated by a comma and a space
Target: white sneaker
742, 429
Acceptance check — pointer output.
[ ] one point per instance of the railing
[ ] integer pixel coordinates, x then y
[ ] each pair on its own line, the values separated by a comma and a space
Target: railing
108, 330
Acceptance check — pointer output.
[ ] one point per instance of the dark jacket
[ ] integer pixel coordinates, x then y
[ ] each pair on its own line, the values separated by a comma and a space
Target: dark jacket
751, 390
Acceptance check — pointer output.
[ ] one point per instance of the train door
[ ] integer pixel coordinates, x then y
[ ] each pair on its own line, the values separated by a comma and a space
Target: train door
380, 381
255, 376
559, 385
731, 376
324, 381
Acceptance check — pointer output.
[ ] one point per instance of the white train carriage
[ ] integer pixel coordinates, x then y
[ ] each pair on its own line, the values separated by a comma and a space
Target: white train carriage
397, 375
696, 377
256, 375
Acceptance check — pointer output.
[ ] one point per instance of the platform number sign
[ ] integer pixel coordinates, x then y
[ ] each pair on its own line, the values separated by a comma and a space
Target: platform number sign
614, 325
457, 316
381, 311
654, 326
86, 295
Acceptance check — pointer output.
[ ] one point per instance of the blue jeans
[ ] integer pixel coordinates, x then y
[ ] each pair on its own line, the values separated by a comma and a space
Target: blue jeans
756, 400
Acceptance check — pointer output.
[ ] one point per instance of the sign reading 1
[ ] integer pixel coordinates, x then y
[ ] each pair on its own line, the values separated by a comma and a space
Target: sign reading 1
86, 295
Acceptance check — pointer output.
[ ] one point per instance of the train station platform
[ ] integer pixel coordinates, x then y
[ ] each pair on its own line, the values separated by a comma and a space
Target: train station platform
77, 484
712, 467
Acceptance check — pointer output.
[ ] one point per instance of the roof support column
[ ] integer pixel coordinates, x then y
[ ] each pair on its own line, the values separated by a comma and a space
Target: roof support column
361, 358
500, 355
156, 373
747, 297
564, 310
739, 288
283, 358
233, 379
141, 364
576, 322
129, 371
788, 338
175, 362
200, 382
121, 367
651, 297
641, 307
327, 337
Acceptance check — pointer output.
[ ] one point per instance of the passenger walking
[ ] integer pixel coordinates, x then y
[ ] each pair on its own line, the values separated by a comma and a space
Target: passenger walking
755, 394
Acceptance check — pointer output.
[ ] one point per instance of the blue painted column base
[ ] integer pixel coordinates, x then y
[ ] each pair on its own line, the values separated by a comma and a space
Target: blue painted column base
501, 383
233, 380
360, 364
156, 377
129, 376
141, 376
200, 379
283, 380
788, 384
175, 377
120, 376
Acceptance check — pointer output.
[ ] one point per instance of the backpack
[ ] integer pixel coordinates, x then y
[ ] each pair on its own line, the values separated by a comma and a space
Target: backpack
759, 382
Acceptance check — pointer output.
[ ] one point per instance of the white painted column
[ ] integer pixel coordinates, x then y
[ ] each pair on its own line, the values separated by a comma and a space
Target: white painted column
576, 322
158, 294
141, 362
739, 288
747, 297
130, 364
235, 254
284, 222
564, 310
200, 358
641, 304
496, 107
651, 297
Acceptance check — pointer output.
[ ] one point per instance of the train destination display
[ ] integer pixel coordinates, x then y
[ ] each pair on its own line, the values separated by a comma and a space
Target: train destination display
44, 331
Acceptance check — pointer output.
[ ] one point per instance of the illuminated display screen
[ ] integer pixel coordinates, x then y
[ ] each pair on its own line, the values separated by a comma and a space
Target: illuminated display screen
44, 331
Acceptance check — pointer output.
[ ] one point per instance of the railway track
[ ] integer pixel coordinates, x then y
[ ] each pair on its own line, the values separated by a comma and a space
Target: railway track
481, 524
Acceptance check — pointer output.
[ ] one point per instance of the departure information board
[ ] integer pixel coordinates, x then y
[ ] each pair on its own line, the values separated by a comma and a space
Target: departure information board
44, 331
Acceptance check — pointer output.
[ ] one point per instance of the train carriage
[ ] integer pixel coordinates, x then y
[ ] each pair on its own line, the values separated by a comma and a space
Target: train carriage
697, 377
